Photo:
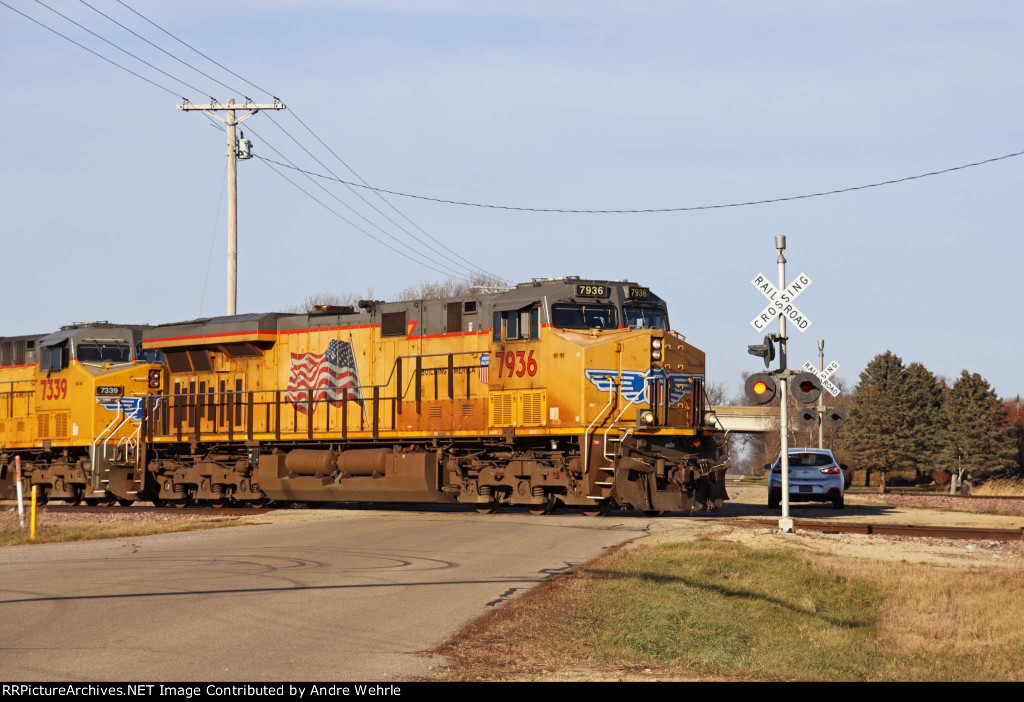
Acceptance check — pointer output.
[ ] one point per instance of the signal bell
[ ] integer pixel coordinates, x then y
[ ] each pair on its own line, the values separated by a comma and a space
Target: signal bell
807, 417
805, 387
765, 350
760, 388
835, 417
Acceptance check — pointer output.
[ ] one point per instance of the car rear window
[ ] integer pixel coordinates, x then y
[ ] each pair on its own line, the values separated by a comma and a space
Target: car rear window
810, 459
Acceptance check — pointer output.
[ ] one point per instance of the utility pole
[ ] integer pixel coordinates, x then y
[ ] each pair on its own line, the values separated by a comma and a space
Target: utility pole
230, 122
785, 522
821, 397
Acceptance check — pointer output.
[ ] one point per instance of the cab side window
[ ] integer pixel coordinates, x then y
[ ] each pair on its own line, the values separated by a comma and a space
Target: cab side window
54, 358
518, 325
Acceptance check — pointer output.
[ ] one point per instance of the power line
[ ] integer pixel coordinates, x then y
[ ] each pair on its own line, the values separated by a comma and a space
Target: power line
354, 211
324, 144
185, 43
179, 80
659, 209
160, 48
347, 221
94, 53
355, 192
389, 204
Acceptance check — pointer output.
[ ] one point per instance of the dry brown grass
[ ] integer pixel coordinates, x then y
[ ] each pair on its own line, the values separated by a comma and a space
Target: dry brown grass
99, 528
1003, 487
713, 610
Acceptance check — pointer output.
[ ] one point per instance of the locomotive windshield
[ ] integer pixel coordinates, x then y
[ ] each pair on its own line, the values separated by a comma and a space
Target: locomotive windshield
584, 316
646, 317
104, 351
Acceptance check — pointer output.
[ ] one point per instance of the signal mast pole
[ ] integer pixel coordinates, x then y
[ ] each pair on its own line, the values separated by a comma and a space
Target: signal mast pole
230, 122
785, 522
821, 396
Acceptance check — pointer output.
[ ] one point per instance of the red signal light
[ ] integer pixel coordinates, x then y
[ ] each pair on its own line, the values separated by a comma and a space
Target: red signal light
760, 388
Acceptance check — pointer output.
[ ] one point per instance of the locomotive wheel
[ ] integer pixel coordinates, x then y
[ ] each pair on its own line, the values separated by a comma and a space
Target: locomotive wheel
219, 503
257, 504
106, 501
125, 502
157, 502
598, 510
77, 494
549, 506
487, 507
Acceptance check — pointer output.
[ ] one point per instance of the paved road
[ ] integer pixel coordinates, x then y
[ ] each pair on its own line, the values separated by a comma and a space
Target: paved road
349, 595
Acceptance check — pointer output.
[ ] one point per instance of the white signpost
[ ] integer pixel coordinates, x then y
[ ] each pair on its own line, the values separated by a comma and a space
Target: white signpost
781, 303
824, 376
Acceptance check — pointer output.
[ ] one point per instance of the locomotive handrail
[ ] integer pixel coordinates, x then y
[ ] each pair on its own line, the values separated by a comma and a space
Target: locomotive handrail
629, 404
612, 392
192, 408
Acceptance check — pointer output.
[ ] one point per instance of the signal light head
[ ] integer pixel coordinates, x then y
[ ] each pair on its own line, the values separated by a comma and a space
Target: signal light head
766, 350
760, 388
806, 387
835, 417
807, 418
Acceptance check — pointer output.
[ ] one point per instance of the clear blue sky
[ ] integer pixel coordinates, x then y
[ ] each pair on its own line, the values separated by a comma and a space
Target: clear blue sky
110, 193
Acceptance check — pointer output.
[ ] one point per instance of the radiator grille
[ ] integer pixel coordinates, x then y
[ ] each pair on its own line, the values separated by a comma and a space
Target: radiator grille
61, 428
43, 425
532, 407
502, 405
467, 409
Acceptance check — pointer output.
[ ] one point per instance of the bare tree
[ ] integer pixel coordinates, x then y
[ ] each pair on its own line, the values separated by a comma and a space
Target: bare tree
440, 289
314, 300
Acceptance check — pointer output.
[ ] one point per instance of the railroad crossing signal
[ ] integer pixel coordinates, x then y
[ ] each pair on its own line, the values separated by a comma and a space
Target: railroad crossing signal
824, 376
781, 303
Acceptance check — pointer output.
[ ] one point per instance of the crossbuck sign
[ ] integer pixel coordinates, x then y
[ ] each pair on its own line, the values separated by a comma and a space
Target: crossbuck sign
823, 376
781, 303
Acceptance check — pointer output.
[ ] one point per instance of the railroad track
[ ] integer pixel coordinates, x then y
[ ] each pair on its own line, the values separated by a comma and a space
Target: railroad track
940, 532
144, 509
937, 494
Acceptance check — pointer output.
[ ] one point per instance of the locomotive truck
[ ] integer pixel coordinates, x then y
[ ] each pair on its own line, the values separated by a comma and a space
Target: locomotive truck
555, 392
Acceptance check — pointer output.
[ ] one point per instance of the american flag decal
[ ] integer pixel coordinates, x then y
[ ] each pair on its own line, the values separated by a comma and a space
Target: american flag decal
485, 368
331, 375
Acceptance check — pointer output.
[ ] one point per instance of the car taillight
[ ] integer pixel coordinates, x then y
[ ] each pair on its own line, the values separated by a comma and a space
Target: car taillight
832, 470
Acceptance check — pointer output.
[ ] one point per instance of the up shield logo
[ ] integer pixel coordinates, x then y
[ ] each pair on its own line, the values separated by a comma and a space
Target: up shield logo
636, 385
130, 407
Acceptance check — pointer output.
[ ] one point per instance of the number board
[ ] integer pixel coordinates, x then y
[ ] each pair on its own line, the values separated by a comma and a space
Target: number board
592, 291
109, 390
639, 293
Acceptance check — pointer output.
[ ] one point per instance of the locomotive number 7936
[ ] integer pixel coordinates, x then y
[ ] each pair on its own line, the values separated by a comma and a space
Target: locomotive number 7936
509, 360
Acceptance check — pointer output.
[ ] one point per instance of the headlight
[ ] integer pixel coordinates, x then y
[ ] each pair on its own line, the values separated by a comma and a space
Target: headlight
647, 417
655, 343
656, 355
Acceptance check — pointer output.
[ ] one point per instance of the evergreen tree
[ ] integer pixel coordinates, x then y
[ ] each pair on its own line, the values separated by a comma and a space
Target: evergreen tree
978, 431
925, 431
874, 433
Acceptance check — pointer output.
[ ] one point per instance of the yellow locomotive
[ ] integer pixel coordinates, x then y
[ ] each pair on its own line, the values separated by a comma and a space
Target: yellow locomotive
71, 409
554, 392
